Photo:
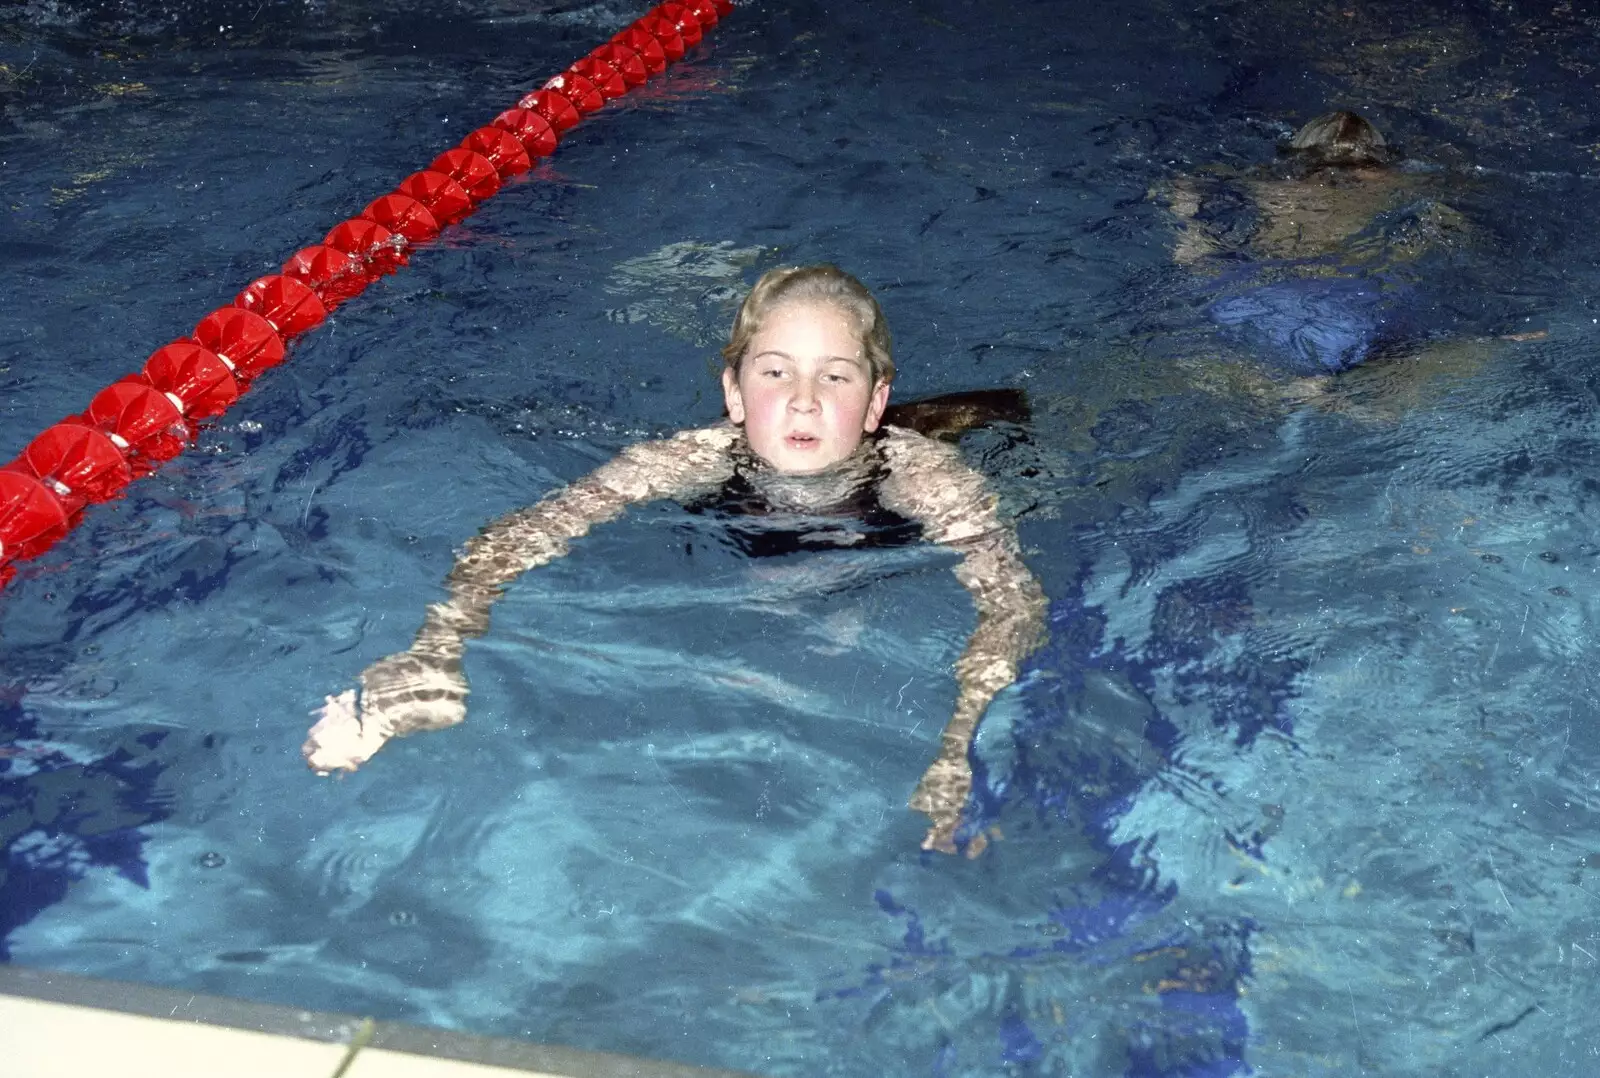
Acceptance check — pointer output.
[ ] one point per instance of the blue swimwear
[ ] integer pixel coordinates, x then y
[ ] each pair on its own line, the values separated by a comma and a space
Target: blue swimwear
1314, 325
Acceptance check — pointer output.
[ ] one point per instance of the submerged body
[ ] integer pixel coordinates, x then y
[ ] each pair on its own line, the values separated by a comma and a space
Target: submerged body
1310, 265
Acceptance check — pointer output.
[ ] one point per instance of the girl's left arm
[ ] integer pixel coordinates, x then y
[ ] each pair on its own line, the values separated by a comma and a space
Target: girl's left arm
930, 483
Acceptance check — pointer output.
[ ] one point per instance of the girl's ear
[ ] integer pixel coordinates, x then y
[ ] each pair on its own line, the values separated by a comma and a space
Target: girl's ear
731, 397
875, 407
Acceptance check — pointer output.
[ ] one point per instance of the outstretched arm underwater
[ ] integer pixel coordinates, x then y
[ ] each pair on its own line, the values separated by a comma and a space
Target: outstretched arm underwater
423, 687
1193, 241
928, 482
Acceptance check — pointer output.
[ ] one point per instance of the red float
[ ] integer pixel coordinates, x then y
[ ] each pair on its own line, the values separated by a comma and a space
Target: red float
605, 78
329, 272
31, 516
194, 378
140, 420
582, 93
558, 112
473, 171
538, 138
501, 149
79, 463
381, 250
369, 241
662, 30
240, 338
403, 215
681, 19
624, 61
446, 199
286, 303
646, 45
706, 11
145, 418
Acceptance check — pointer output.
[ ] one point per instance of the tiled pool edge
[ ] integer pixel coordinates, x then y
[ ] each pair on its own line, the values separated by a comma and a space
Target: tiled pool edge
173, 1008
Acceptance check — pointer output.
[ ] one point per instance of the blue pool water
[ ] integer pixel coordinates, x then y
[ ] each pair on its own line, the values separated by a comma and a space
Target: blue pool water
1304, 782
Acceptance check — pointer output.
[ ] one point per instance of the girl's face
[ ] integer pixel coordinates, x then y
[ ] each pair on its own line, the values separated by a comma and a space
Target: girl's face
804, 391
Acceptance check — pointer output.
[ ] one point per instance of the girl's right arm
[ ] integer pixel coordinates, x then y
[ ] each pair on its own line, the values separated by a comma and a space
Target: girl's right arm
423, 687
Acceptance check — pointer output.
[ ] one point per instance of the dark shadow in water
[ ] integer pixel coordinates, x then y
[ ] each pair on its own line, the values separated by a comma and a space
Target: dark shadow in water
64, 811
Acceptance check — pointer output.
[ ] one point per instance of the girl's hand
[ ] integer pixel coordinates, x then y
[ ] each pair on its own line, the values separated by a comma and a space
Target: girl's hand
339, 741
400, 694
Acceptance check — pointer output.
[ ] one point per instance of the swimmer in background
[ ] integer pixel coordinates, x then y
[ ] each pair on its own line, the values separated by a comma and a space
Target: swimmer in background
806, 384
1334, 178
1312, 259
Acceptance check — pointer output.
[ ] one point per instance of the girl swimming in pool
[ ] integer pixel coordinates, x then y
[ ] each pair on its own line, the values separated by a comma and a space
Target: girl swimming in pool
806, 384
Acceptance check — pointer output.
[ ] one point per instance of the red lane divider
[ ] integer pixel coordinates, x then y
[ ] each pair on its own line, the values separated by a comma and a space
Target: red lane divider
134, 424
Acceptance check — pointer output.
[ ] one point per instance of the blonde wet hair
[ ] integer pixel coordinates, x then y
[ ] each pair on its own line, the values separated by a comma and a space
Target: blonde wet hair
1340, 138
822, 283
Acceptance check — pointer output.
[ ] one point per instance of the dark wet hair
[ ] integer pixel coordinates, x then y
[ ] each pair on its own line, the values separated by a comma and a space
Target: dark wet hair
950, 415
1340, 138
821, 283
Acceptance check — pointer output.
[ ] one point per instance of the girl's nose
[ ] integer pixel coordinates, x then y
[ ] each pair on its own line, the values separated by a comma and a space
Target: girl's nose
804, 398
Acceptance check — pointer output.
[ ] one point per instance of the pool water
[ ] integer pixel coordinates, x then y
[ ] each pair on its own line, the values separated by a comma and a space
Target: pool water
1304, 782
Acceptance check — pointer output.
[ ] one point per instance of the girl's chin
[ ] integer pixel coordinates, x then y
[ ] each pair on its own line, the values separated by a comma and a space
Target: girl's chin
799, 458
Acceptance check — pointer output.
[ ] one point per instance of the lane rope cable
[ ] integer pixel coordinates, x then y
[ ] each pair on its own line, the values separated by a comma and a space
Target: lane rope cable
144, 419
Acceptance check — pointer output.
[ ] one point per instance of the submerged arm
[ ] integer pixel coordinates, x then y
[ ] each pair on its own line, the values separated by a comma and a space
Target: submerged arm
930, 483
539, 534
1182, 198
423, 687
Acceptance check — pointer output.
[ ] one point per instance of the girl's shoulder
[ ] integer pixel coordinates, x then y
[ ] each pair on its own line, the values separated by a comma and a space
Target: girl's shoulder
903, 445
928, 480
722, 436
672, 467
697, 442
